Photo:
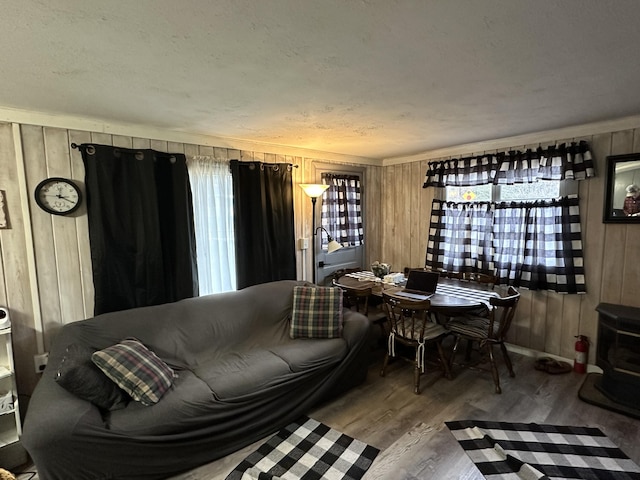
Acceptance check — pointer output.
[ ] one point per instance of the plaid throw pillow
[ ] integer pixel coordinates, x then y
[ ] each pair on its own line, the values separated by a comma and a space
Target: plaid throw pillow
317, 312
136, 370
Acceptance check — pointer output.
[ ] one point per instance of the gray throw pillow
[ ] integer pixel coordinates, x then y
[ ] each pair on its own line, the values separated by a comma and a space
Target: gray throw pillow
80, 376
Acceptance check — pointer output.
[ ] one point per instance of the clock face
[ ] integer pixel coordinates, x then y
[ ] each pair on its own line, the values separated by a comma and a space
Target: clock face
58, 196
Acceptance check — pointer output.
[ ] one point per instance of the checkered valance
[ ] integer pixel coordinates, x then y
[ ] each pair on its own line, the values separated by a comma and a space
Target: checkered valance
535, 245
560, 162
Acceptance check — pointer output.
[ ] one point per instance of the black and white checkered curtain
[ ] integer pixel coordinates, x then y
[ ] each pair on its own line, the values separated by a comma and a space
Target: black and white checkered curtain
342, 210
560, 162
534, 245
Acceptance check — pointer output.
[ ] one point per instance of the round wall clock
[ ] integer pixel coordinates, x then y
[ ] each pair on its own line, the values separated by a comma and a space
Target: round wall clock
59, 196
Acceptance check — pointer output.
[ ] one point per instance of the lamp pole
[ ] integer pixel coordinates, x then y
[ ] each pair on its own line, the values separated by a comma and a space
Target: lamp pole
313, 190
313, 239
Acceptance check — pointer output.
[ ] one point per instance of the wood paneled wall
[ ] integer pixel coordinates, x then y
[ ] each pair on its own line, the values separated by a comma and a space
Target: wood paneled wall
45, 264
545, 321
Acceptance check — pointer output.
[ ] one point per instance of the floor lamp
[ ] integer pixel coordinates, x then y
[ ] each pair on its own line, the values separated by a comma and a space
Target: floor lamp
314, 190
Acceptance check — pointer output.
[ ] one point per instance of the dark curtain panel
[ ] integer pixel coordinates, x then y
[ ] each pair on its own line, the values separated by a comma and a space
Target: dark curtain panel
140, 213
263, 218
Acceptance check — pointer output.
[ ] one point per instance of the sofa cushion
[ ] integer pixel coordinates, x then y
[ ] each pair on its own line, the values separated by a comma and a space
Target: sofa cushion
80, 376
135, 369
306, 353
316, 313
240, 373
183, 408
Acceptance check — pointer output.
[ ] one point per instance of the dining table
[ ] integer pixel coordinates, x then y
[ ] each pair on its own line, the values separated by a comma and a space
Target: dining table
451, 297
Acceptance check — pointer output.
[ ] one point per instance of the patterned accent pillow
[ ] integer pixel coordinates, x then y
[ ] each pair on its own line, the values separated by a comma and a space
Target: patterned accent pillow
136, 370
317, 312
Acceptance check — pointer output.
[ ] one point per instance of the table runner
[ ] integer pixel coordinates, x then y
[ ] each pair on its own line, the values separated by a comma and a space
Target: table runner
530, 451
482, 296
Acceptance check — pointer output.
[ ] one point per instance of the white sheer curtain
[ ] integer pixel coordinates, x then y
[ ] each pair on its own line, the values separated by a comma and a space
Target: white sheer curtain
212, 192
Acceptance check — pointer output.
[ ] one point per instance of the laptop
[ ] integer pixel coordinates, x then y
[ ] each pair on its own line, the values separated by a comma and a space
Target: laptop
421, 285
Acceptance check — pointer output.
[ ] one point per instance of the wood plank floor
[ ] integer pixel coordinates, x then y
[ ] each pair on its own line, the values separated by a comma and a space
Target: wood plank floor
409, 429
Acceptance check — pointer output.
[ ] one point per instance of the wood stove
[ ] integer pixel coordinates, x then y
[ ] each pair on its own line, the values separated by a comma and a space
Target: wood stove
618, 353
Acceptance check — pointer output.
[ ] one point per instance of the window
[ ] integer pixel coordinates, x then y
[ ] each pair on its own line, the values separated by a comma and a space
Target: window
514, 214
342, 210
212, 193
541, 190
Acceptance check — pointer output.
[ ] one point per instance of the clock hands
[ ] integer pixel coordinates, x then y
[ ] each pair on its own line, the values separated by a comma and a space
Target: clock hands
58, 196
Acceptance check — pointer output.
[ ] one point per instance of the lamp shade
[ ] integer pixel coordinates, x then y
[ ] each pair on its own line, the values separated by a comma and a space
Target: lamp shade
333, 246
314, 189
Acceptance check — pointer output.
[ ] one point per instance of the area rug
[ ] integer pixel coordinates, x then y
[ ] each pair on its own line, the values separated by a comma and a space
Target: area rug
307, 450
530, 451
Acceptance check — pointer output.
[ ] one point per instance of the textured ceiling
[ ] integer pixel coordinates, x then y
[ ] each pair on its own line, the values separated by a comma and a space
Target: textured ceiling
373, 78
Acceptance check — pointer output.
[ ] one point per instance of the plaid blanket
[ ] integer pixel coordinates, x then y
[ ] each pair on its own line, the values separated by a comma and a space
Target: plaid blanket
307, 450
530, 451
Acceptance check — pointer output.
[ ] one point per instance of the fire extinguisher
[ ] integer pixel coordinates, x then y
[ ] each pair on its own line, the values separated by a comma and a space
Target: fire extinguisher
582, 353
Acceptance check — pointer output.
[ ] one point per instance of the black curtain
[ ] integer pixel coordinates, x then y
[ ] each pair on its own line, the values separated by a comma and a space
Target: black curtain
263, 220
140, 213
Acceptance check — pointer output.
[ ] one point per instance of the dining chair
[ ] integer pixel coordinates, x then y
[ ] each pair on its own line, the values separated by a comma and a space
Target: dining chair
408, 269
487, 331
344, 271
482, 278
452, 275
411, 325
358, 299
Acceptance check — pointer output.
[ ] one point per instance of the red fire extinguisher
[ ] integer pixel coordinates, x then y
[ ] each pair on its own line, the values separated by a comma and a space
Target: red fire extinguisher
582, 353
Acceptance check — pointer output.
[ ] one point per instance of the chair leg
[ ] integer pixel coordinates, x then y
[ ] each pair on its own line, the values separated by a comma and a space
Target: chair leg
416, 379
507, 360
384, 364
467, 355
443, 360
453, 353
494, 369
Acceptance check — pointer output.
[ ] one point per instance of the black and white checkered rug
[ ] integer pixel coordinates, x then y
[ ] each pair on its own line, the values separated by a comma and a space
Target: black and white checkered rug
530, 451
307, 450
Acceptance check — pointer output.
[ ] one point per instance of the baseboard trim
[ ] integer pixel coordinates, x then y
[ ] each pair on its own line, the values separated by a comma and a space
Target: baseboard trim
529, 352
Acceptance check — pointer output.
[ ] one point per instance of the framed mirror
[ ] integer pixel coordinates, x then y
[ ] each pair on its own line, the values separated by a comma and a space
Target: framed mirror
622, 194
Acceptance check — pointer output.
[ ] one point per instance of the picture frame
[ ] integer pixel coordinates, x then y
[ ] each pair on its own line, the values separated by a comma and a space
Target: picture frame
622, 189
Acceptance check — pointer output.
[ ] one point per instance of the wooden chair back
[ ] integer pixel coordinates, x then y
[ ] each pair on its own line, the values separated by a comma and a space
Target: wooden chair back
501, 316
482, 278
454, 275
408, 319
357, 298
343, 271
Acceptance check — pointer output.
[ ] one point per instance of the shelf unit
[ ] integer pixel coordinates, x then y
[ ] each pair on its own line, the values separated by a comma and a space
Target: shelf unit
10, 425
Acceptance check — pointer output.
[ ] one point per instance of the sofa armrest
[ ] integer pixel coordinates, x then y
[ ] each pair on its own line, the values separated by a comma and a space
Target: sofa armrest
355, 327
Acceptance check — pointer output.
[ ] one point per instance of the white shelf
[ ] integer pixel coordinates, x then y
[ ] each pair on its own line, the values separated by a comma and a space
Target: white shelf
10, 428
12, 410
8, 437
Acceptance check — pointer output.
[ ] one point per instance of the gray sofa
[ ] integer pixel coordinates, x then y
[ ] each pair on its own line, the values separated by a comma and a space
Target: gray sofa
240, 378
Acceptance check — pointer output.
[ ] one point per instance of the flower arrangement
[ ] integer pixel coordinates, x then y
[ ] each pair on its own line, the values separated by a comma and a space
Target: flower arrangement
380, 269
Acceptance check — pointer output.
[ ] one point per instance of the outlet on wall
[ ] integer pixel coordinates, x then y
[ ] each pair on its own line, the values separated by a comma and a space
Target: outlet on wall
40, 361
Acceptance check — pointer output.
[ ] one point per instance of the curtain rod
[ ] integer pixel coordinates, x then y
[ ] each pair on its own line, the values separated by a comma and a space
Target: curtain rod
274, 166
293, 165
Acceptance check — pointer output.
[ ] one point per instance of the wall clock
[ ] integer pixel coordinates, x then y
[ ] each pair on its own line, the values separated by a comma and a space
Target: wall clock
59, 196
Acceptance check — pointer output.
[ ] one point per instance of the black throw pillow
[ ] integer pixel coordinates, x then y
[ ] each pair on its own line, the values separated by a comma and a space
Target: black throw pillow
80, 376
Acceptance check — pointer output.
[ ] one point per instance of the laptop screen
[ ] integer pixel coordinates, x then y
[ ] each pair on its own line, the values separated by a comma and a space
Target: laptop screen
422, 281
